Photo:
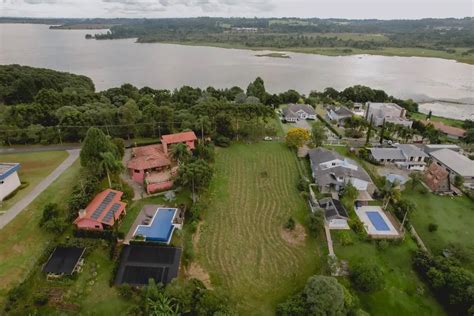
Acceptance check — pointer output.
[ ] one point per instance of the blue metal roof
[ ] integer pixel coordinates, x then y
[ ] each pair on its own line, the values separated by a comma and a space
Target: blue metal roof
6, 169
161, 227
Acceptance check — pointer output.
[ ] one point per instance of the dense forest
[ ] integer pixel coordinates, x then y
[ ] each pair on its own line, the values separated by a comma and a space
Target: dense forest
47, 107
438, 34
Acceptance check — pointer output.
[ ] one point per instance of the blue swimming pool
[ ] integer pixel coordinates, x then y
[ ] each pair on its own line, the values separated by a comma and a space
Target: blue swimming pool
377, 220
161, 227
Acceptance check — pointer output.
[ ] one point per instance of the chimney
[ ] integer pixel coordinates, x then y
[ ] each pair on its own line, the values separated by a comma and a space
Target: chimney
165, 147
82, 213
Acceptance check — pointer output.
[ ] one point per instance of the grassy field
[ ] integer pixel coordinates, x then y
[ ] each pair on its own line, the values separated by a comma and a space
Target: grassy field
453, 215
446, 121
34, 168
22, 240
403, 293
252, 195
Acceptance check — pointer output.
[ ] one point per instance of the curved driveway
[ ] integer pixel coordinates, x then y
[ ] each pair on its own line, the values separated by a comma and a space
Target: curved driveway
46, 182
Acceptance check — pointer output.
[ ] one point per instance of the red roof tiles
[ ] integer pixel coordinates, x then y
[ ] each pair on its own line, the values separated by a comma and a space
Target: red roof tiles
97, 210
449, 130
179, 137
148, 157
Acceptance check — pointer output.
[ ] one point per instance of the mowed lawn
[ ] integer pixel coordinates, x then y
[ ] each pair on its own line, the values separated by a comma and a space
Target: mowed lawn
252, 195
34, 168
453, 215
22, 241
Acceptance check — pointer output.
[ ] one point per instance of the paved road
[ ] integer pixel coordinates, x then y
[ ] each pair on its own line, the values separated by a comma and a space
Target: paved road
29, 149
46, 182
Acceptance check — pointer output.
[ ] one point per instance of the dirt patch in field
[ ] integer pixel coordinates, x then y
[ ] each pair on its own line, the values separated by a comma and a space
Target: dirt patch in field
194, 270
296, 236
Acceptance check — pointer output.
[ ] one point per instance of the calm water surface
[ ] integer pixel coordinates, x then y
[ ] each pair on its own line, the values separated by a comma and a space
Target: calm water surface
112, 63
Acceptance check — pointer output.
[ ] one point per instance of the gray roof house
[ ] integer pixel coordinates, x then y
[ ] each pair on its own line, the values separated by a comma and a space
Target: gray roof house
335, 213
295, 112
405, 156
390, 112
455, 164
332, 171
340, 114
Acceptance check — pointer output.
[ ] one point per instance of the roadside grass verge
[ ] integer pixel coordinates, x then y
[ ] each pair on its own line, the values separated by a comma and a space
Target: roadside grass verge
23, 241
34, 167
403, 293
251, 197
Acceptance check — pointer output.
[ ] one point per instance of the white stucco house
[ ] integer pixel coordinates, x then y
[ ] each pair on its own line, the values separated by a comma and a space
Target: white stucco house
9, 180
295, 112
388, 112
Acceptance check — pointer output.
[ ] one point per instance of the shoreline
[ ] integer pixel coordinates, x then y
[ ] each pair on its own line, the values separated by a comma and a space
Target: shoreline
329, 51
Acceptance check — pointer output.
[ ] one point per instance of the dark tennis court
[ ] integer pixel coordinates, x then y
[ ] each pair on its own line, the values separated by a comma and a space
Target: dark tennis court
63, 260
139, 263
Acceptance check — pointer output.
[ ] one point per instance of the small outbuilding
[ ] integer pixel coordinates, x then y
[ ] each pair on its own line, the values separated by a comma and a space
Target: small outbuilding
9, 180
335, 213
64, 261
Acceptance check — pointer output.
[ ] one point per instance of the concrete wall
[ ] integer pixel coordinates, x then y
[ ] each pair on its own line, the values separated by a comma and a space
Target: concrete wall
8, 185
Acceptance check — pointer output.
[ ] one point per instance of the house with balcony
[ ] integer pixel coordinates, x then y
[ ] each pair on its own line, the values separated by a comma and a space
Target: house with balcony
331, 172
388, 112
404, 156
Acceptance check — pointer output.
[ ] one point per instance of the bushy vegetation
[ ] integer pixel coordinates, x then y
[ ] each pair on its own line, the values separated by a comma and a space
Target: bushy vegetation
322, 295
452, 284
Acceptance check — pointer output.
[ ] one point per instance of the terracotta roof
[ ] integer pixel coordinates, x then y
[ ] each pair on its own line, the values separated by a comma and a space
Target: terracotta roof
104, 208
450, 130
179, 137
148, 157
435, 175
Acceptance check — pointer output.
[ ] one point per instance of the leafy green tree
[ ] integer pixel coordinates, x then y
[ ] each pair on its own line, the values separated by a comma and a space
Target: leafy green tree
94, 144
50, 211
324, 296
369, 131
318, 134
110, 165
367, 276
257, 89
469, 136
129, 114
391, 194
458, 181
180, 153
195, 176
316, 222
416, 179
163, 305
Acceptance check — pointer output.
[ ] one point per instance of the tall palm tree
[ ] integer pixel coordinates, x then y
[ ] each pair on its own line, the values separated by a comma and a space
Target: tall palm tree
180, 152
110, 165
391, 194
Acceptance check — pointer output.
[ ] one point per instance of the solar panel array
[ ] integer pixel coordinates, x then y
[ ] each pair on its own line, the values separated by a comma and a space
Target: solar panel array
111, 212
103, 205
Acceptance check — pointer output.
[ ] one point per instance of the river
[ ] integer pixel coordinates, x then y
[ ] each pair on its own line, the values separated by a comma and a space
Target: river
111, 63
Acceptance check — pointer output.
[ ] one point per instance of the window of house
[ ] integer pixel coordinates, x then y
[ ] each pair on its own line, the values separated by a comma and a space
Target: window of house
136, 171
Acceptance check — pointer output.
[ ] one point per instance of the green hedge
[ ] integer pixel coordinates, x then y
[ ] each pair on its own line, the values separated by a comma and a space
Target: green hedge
329, 125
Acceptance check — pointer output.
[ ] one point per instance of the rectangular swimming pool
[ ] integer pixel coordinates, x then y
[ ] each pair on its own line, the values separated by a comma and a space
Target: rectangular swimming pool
377, 220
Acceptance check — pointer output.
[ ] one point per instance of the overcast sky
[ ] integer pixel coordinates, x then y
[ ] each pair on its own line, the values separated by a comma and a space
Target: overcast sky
381, 9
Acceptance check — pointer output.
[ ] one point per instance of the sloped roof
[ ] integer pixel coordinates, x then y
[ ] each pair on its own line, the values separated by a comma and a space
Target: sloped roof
411, 150
387, 153
455, 161
449, 130
148, 157
105, 208
333, 208
326, 176
343, 111
7, 169
435, 175
179, 137
302, 107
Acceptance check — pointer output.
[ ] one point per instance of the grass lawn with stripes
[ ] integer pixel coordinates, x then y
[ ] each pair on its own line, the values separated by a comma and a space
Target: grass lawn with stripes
252, 195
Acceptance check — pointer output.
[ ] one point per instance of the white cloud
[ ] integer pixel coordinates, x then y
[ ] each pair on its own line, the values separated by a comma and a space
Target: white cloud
381, 9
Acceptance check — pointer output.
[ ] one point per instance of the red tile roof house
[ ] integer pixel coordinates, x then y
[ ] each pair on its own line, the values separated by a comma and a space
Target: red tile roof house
450, 131
102, 212
151, 165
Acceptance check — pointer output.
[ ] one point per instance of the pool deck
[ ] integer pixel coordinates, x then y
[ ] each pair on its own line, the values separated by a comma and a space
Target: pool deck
370, 228
147, 212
